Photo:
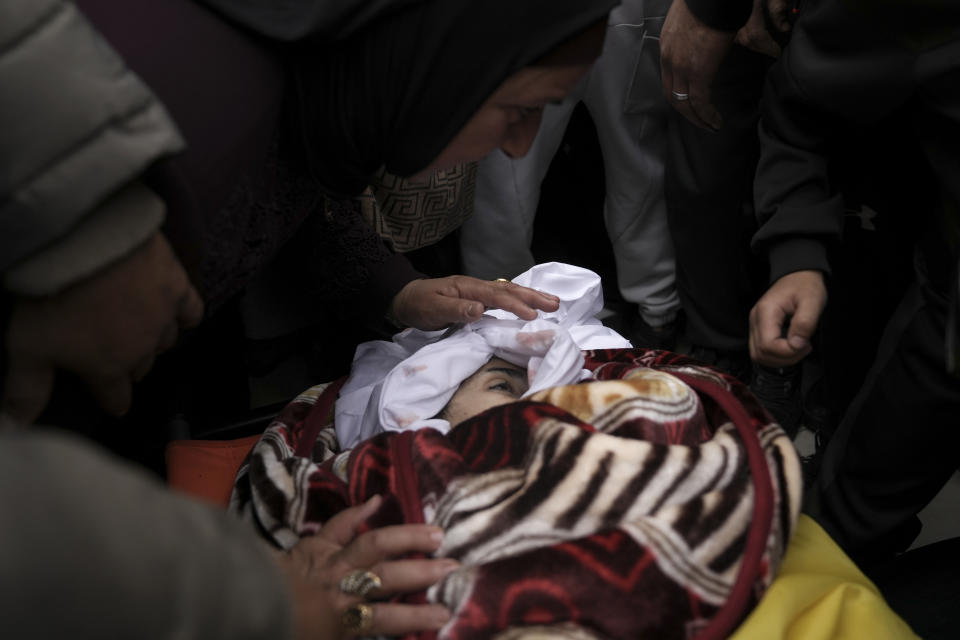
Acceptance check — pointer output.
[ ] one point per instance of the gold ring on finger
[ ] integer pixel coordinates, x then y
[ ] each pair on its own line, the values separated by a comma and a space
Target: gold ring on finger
360, 583
501, 280
358, 618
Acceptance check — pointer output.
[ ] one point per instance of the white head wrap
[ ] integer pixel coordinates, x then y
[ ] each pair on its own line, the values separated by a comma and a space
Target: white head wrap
399, 385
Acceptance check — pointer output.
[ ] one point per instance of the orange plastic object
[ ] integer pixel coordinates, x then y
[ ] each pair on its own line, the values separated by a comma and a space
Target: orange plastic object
205, 469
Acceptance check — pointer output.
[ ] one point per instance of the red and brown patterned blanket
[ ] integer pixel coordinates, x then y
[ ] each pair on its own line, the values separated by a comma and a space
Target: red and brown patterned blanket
654, 501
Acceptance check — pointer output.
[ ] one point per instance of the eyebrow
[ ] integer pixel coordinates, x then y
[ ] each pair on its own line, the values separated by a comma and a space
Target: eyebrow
516, 373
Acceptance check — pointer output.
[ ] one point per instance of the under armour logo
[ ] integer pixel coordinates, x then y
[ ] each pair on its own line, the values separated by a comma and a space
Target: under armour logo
866, 215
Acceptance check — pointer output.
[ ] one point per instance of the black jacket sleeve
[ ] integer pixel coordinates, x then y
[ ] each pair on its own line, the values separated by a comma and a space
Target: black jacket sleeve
840, 73
799, 213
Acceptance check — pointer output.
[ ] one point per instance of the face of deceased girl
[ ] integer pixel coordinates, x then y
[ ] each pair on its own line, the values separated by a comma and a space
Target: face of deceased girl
510, 118
495, 383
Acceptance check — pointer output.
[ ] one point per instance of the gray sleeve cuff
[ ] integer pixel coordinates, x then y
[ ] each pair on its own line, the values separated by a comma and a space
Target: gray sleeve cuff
122, 223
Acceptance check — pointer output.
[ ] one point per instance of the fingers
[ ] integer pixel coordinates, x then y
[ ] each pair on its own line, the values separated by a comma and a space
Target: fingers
342, 528
784, 319
702, 111
803, 324
691, 98
393, 619
690, 53
755, 36
780, 12
400, 576
669, 34
666, 74
390, 619
435, 303
521, 301
375, 546
767, 344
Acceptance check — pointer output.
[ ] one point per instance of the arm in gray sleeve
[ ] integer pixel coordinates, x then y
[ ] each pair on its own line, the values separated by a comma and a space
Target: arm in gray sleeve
91, 547
800, 214
76, 127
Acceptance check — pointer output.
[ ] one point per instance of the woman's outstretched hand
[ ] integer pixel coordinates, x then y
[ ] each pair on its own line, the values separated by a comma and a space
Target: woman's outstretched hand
317, 565
437, 302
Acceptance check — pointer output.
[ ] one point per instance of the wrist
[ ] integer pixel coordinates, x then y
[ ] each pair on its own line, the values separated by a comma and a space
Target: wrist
396, 311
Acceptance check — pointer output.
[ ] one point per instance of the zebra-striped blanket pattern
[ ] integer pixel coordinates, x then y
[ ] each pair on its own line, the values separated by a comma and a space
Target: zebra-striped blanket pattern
616, 508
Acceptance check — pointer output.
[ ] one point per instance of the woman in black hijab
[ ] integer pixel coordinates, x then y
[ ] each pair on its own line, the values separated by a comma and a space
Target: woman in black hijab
420, 86
399, 91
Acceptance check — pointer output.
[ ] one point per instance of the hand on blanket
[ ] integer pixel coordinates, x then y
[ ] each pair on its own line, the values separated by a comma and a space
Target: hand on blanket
438, 302
316, 565
107, 329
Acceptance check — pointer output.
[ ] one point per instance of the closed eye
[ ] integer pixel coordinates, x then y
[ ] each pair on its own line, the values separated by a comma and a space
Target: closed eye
517, 113
529, 111
510, 380
502, 385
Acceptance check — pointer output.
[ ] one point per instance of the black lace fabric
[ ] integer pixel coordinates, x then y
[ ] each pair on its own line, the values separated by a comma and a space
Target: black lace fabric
324, 245
347, 261
261, 216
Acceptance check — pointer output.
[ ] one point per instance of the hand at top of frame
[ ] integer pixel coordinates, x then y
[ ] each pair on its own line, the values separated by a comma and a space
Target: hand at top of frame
437, 302
315, 567
107, 329
784, 319
756, 36
690, 53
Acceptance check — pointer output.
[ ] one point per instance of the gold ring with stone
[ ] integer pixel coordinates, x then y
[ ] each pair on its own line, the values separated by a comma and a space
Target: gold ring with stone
358, 618
360, 583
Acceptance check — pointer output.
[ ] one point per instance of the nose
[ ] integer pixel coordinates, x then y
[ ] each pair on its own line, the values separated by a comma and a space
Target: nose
520, 137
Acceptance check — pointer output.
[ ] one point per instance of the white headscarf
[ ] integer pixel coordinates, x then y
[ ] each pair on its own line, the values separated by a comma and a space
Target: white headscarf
402, 384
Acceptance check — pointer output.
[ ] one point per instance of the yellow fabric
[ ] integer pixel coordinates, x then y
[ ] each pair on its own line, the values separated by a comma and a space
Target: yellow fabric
819, 593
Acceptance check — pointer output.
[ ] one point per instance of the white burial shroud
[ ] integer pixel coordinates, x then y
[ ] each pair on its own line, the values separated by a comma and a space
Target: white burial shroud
400, 385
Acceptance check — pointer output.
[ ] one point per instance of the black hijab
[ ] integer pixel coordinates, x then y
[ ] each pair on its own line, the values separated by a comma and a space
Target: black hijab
396, 92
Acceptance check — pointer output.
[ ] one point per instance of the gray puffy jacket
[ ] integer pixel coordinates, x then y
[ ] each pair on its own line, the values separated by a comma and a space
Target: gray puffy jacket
76, 129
